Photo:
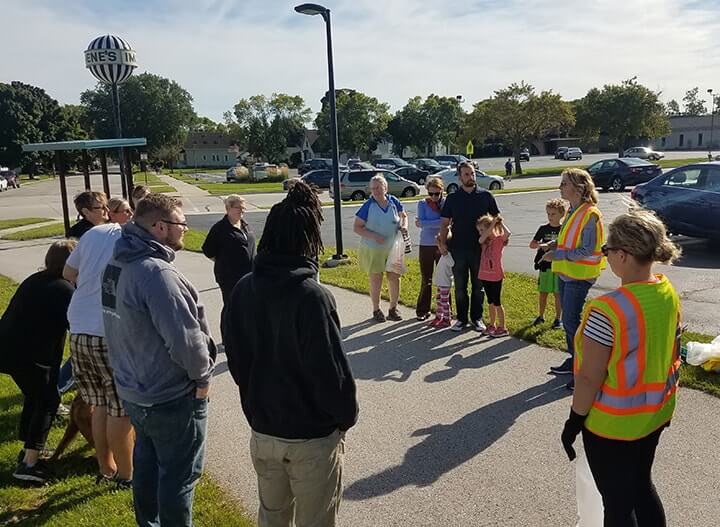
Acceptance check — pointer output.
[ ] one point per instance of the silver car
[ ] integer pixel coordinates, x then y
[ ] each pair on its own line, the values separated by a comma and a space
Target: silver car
643, 152
452, 182
355, 184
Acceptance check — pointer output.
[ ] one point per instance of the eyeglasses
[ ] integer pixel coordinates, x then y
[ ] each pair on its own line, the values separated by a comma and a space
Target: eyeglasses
181, 223
126, 211
605, 249
434, 193
100, 207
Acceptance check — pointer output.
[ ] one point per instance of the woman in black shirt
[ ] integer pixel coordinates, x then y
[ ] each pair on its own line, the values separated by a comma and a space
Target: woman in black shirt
231, 245
32, 332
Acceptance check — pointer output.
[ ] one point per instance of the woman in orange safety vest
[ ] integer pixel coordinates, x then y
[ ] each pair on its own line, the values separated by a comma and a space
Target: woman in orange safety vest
627, 372
575, 256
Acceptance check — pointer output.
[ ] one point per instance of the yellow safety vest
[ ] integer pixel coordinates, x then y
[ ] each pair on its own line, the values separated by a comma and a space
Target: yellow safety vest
639, 392
570, 238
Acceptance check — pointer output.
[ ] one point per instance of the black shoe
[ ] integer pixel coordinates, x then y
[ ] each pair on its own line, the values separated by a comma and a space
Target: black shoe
38, 473
102, 478
571, 385
378, 315
538, 320
566, 368
123, 484
557, 324
394, 315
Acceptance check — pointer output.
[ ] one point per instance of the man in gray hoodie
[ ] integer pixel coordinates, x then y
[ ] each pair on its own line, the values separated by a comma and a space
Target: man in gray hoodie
162, 356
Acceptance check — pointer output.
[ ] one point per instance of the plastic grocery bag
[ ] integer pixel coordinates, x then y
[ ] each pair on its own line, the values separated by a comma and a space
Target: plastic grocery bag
396, 258
706, 356
589, 502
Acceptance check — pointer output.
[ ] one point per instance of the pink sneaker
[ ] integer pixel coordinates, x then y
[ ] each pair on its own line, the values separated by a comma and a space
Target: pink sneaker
434, 322
500, 332
444, 323
489, 331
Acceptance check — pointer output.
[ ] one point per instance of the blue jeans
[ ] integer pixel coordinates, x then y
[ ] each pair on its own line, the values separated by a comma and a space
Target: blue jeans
167, 460
467, 262
572, 299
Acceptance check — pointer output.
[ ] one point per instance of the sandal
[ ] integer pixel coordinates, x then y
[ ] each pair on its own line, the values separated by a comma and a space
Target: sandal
394, 314
378, 315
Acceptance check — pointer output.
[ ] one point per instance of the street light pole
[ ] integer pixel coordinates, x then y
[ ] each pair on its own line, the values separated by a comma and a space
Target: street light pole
315, 9
712, 122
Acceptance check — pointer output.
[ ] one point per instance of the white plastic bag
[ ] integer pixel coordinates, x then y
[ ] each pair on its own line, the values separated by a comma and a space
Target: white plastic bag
698, 353
396, 258
589, 502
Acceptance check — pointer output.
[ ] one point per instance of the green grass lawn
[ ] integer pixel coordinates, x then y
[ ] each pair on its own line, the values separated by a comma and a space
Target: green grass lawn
46, 231
223, 189
20, 222
74, 500
154, 182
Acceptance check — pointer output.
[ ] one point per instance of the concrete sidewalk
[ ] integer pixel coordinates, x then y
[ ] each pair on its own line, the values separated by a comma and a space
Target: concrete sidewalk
454, 429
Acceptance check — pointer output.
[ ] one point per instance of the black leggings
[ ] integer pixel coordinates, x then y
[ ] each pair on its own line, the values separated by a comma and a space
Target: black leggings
493, 291
39, 386
623, 473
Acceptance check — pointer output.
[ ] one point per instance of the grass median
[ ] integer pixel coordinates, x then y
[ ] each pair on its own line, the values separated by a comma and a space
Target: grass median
225, 188
21, 222
73, 499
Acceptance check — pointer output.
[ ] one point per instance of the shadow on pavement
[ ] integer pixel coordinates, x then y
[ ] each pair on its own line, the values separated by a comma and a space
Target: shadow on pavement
698, 254
397, 350
446, 447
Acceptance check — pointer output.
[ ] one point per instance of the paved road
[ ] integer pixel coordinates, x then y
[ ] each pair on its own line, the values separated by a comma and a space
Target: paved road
454, 430
695, 276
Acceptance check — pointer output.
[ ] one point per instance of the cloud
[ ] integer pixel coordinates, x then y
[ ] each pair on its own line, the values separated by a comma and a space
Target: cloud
222, 50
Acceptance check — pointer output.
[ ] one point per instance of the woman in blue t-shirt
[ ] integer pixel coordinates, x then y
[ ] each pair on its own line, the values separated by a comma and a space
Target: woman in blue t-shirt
377, 223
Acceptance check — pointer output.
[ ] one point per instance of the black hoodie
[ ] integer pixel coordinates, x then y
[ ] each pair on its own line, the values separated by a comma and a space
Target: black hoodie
284, 349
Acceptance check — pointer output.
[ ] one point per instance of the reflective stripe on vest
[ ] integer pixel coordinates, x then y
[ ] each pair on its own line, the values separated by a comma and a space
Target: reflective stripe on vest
570, 238
644, 368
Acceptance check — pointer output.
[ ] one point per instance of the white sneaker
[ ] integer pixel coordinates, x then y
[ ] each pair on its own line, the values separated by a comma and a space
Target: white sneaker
479, 326
458, 326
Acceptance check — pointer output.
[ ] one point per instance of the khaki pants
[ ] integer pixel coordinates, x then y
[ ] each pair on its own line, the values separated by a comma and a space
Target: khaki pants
299, 482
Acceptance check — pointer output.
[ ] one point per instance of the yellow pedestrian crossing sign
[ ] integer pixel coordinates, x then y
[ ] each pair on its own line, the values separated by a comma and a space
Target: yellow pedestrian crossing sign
469, 148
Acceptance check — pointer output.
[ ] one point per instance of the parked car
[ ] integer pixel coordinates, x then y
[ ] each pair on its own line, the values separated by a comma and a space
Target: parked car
687, 199
356, 164
616, 174
452, 183
314, 164
643, 152
450, 161
572, 153
354, 184
413, 174
560, 152
524, 154
391, 163
11, 177
429, 165
3, 184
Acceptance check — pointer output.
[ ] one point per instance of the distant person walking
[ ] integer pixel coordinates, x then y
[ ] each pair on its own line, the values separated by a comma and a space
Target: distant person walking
378, 222
576, 256
231, 245
296, 387
32, 332
627, 369
111, 427
508, 169
428, 219
461, 211
163, 358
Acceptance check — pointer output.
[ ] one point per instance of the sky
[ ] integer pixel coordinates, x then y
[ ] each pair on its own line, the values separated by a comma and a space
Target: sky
224, 50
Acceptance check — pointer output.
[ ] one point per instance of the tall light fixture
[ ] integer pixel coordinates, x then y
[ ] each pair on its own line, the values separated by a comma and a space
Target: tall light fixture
315, 9
712, 122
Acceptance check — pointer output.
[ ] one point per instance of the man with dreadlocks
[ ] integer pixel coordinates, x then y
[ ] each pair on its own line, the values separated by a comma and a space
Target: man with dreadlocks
284, 350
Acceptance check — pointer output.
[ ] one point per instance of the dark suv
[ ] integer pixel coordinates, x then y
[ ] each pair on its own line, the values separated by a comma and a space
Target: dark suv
391, 163
318, 163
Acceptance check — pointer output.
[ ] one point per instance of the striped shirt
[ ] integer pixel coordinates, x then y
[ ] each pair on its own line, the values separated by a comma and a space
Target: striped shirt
599, 329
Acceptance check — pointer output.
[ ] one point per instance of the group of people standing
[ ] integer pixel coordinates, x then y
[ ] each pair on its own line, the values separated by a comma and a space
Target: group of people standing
623, 346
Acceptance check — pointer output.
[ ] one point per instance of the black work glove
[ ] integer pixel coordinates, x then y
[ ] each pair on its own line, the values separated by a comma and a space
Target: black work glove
573, 426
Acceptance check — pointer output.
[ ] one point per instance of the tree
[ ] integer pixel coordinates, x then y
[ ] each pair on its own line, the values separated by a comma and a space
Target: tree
694, 105
422, 124
205, 124
168, 154
672, 108
622, 111
517, 115
267, 126
362, 121
405, 127
29, 115
151, 106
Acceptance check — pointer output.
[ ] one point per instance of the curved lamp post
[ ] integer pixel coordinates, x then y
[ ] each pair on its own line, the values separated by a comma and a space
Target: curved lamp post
315, 9
111, 60
712, 122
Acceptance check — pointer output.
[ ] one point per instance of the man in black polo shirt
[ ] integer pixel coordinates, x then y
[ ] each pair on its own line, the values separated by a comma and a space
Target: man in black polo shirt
461, 210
